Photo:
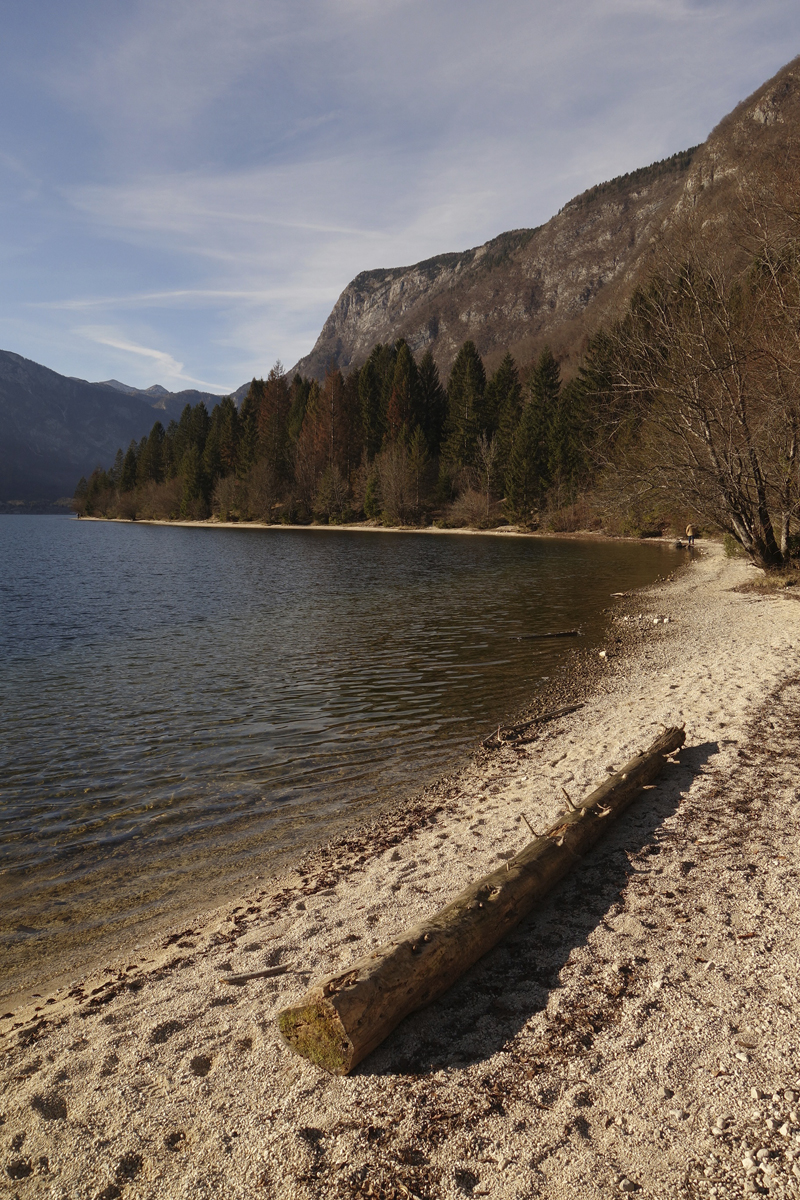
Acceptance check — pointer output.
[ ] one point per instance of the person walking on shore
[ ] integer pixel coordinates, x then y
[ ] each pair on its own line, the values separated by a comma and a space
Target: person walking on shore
690, 534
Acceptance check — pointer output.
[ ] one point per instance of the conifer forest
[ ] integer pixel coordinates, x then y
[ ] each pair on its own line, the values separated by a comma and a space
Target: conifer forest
387, 442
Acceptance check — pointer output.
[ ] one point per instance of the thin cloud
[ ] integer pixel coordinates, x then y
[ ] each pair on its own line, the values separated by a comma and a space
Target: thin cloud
171, 368
169, 298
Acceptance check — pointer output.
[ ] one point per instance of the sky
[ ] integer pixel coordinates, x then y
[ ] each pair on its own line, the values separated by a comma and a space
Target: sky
186, 186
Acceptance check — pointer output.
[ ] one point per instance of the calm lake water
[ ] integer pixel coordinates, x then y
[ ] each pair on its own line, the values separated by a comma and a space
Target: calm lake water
181, 709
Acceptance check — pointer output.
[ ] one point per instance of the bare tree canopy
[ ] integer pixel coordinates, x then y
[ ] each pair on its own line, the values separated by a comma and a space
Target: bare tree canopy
706, 364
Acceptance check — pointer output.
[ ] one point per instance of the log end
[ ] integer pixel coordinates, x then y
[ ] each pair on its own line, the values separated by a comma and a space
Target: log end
315, 1031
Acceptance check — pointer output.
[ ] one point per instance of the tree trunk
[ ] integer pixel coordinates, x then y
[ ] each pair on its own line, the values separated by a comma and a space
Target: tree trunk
786, 521
342, 1018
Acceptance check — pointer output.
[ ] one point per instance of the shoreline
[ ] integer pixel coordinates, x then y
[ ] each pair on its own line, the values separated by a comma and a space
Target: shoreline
165, 1044
588, 535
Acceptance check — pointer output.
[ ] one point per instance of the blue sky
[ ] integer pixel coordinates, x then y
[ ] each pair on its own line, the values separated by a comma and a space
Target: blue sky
186, 186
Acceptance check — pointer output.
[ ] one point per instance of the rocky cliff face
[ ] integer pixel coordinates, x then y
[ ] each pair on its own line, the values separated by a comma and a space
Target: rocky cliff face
555, 283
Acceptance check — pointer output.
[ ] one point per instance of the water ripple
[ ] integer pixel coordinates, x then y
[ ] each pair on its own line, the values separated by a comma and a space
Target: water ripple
190, 704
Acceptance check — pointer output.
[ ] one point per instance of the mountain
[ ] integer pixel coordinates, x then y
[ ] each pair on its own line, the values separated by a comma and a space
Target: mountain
170, 403
240, 393
56, 428
554, 283
155, 390
173, 402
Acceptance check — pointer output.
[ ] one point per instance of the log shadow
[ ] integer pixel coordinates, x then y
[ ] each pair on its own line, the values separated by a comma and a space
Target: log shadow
481, 1013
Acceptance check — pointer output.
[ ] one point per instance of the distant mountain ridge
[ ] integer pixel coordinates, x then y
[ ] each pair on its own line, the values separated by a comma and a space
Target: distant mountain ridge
57, 428
171, 404
155, 390
174, 401
555, 283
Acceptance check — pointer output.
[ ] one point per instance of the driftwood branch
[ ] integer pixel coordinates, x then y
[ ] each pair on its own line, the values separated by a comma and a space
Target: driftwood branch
342, 1018
539, 637
516, 733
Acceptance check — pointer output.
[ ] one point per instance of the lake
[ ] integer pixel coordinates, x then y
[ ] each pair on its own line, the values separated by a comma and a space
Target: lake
183, 709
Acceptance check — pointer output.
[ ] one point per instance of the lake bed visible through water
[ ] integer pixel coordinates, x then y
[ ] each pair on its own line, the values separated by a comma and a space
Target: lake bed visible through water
186, 709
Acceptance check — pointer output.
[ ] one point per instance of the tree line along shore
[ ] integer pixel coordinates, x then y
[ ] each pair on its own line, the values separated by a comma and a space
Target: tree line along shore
386, 442
685, 407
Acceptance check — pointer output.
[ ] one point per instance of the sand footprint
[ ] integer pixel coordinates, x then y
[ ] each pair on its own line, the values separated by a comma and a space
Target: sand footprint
109, 1065
163, 1032
200, 1065
51, 1106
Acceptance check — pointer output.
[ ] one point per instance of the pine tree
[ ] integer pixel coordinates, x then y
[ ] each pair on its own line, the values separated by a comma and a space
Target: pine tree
568, 465
115, 474
127, 482
183, 439
525, 477
504, 398
199, 426
192, 430
211, 457
193, 491
298, 400
225, 419
370, 391
547, 375
385, 359
79, 498
272, 421
149, 464
352, 434
527, 474
432, 402
141, 453
402, 410
97, 492
465, 404
545, 386
310, 456
248, 426
170, 458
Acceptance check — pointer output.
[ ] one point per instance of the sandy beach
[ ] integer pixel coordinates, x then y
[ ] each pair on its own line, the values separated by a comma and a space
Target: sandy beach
636, 1035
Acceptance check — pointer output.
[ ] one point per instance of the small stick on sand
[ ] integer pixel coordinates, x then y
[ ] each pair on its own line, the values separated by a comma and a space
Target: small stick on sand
569, 799
533, 831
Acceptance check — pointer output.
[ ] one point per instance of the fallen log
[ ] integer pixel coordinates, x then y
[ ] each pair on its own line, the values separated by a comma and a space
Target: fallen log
342, 1018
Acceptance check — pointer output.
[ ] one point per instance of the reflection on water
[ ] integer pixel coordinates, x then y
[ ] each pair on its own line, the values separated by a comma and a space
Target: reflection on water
181, 708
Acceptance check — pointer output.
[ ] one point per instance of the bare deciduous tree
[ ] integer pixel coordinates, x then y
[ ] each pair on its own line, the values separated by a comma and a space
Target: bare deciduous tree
397, 482
703, 358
